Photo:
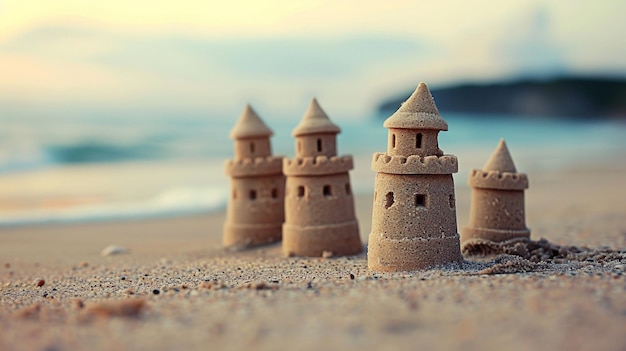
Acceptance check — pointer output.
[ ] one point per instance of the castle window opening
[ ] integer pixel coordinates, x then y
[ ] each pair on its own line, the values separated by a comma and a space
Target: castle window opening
252, 194
348, 189
389, 199
299, 146
252, 148
418, 140
300, 191
393, 141
420, 200
327, 191
319, 145
452, 201
274, 193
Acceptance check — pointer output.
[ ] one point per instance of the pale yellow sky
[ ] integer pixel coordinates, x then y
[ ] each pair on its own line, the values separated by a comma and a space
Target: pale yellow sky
149, 14
439, 19
261, 18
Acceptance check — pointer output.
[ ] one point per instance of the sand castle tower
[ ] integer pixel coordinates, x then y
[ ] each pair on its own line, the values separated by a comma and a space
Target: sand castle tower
414, 215
255, 212
497, 207
319, 206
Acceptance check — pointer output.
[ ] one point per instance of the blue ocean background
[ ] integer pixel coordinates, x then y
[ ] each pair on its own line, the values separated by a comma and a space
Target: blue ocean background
169, 165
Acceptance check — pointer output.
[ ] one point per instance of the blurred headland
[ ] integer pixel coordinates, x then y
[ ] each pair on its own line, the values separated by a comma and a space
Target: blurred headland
561, 97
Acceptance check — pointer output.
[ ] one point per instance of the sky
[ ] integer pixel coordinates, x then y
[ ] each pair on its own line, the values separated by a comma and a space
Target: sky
78, 58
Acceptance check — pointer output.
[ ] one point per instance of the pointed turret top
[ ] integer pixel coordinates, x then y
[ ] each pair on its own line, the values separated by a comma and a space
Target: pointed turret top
500, 160
417, 112
250, 125
315, 121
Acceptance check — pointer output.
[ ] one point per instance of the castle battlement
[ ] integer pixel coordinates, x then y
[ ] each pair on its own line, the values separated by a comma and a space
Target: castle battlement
414, 164
251, 167
497, 180
318, 165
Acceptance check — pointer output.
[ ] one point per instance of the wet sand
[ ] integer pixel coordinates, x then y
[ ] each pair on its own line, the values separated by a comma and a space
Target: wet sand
176, 288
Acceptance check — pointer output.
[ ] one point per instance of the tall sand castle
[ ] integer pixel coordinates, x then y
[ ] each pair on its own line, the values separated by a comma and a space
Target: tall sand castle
255, 212
414, 215
319, 205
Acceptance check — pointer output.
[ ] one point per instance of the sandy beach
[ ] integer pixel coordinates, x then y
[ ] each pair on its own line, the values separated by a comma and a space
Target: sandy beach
175, 288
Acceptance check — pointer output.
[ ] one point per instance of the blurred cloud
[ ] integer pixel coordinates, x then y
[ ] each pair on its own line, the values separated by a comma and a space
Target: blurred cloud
90, 65
527, 43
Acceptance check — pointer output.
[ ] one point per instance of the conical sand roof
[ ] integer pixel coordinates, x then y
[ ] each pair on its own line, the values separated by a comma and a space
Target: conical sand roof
315, 121
417, 112
250, 125
500, 160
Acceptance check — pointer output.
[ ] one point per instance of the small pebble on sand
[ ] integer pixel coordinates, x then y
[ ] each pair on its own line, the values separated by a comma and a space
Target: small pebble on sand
31, 311
78, 304
126, 308
39, 282
113, 250
259, 285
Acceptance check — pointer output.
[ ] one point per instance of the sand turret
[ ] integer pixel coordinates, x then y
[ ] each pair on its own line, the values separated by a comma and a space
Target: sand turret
497, 205
319, 205
255, 212
414, 215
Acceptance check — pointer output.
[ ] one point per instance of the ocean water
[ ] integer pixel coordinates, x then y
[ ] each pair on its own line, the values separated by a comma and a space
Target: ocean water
93, 168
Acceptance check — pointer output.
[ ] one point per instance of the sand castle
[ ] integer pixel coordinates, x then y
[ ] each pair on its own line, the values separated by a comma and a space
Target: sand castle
319, 206
414, 216
414, 213
255, 212
497, 206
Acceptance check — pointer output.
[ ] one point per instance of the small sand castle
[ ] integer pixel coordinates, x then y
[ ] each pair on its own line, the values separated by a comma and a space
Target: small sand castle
255, 212
319, 206
497, 207
414, 215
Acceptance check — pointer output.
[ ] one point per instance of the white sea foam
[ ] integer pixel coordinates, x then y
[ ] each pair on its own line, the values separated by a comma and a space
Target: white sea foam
111, 191
178, 201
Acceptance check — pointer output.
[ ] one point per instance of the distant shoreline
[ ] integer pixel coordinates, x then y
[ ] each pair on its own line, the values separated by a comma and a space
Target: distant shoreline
562, 97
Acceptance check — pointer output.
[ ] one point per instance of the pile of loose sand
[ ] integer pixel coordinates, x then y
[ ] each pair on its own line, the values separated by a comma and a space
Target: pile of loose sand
522, 255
